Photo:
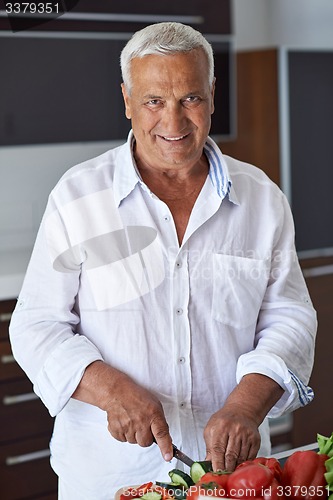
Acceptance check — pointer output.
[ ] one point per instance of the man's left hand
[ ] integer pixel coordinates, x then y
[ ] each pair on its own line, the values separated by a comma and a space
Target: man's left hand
232, 434
231, 438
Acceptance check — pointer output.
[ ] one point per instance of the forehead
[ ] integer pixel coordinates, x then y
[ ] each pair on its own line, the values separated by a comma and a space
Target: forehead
183, 68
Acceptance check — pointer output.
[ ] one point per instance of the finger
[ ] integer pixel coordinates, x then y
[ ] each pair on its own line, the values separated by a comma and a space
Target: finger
232, 452
119, 436
254, 448
216, 454
160, 431
244, 453
144, 437
117, 430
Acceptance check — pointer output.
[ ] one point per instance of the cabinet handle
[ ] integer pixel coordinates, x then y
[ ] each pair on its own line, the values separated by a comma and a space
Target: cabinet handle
20, 398
6, 359
5, 317
27, 457
131, 18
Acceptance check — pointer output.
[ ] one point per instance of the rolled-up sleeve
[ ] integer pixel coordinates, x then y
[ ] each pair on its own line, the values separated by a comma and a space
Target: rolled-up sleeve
287, 325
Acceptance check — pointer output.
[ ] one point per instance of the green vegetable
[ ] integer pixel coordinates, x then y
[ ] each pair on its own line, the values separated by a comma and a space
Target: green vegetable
198, 469
167, 486
179, 477
325, 445
178, 491
329, 474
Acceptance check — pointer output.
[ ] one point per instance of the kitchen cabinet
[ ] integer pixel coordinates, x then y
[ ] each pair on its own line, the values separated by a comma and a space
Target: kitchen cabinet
74, 70
257, 137
318, 415
284, 124
25, 428
208, 17
100, 15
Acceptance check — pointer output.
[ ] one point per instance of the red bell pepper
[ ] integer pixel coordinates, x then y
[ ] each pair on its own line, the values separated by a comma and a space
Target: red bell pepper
303, 475
272, 463
138, 492
210, 490
220, 478
254, 480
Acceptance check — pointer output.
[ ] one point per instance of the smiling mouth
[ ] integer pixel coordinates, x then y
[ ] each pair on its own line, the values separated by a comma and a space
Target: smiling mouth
173, 139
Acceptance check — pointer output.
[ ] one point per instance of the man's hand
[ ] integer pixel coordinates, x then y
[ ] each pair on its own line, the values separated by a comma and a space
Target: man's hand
231, 434
134, 414
231, 438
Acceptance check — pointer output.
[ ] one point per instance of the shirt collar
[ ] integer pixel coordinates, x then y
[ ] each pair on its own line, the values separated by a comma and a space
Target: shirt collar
218, 171
127, 175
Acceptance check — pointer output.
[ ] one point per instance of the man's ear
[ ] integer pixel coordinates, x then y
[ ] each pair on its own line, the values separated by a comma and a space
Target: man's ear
213, 95
127, 101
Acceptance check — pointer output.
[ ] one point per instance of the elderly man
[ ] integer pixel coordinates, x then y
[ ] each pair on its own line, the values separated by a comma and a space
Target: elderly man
164, 300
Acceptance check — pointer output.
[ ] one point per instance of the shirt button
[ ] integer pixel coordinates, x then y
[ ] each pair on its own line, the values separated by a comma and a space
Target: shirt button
178, 264
182, 405
181, 360
166, 218
179, 311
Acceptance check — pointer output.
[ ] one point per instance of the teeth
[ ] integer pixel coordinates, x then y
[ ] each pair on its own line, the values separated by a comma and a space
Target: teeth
174, 138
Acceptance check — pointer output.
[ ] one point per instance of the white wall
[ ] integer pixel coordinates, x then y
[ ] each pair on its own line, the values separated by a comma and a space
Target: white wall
293, 23
251, 23
302, 23
28, 173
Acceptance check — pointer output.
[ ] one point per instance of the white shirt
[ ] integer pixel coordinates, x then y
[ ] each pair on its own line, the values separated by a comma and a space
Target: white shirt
108, 281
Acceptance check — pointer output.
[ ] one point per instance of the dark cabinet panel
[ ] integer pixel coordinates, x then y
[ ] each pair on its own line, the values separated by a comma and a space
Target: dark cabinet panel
310, 99
21, 412
208, 17
25, 428
9, 369
107, 16
6, 309
257, 136
318, 415
61, 89
25, 470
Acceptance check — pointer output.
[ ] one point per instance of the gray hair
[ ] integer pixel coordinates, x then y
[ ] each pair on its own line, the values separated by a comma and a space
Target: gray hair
164, 38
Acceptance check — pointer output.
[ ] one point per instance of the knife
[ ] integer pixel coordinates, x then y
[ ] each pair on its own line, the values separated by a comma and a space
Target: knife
181, 456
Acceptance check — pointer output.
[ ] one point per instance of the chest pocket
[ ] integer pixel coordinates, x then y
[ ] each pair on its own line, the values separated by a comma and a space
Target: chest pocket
238, 290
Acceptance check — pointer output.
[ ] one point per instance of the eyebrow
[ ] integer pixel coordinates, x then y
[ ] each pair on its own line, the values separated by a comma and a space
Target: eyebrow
189, 94
152, 96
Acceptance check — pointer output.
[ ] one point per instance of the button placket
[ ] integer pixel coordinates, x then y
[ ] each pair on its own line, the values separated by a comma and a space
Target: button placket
182, 329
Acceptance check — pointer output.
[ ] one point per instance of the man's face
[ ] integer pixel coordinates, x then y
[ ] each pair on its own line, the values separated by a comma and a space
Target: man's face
170, 106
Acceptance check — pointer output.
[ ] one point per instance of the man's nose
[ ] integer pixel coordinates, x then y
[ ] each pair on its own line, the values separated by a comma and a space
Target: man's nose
174, 118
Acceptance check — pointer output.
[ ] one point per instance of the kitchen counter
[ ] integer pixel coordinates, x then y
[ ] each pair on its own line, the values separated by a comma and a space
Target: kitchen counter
13, 265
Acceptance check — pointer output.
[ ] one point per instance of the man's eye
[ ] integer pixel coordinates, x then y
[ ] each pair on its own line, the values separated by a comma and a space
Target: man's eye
153, 102
192, 100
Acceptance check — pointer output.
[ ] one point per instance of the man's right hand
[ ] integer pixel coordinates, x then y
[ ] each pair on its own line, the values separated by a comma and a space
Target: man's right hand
134, 414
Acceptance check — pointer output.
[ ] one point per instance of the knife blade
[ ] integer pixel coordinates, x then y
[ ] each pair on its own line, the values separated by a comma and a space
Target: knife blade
181, 456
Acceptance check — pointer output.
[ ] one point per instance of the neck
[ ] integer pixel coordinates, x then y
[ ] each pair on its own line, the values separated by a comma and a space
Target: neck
174, 182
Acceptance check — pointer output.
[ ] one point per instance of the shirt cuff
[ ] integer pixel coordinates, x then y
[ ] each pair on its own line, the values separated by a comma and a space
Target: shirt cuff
296, 394
63, 370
